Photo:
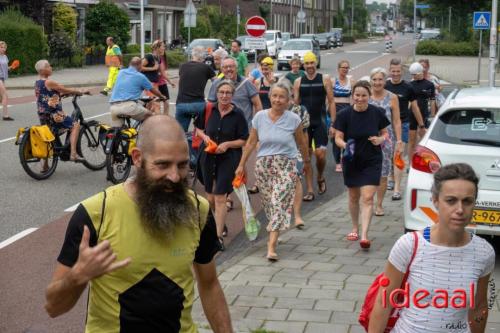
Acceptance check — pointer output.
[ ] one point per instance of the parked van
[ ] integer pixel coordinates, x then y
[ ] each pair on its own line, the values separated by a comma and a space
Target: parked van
274, 42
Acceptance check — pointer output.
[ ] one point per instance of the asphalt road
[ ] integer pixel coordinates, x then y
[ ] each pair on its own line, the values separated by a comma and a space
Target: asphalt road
26, 203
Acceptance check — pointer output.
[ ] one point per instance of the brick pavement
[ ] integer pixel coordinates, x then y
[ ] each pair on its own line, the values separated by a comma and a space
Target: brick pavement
319, 283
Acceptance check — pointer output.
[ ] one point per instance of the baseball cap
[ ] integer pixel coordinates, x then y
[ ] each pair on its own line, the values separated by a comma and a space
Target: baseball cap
310, 57
416, 68
267, 61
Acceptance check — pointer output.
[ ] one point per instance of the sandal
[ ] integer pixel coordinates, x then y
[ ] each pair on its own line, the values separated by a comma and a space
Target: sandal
77, 159
229, 204
390, 185
396, 196
253, 190
379, 213
321, 186
273, 257
300, 226
222, 248
338, 168
8, 118
352, 236
365, 244
308, 197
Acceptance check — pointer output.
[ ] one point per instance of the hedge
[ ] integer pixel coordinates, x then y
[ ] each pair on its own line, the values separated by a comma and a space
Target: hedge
442, 48
25, 40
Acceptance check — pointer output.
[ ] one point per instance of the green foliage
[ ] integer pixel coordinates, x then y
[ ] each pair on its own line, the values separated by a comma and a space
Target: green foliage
107, 19
136, 48
210, 23
264, 11
61, 45
348, 39
375, 6
64, 19
442, 48
25, 39
174, 58
360, 15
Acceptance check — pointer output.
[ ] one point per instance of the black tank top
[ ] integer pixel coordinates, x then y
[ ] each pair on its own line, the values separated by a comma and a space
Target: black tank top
312, 96
264, 94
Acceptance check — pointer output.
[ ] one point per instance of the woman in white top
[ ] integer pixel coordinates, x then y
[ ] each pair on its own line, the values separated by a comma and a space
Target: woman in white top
278, 133
447, 258
4, 74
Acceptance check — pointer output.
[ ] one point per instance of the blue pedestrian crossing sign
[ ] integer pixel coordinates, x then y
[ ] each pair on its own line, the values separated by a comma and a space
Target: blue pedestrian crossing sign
482, 20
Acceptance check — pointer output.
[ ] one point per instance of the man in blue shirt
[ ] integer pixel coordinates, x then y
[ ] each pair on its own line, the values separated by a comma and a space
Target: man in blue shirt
128, 88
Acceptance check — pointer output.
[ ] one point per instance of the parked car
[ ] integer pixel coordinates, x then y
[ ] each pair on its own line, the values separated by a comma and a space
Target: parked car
274, 42
429, 34
380, 30
250, 53
286, 36
214, 44
297, 47
324, 40
465, 129
311, 37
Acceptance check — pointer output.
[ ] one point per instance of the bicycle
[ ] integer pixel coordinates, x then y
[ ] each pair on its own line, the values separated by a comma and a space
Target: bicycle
118, 143
87, 146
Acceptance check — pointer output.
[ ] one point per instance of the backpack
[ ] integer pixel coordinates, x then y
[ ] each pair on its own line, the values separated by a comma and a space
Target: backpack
41, 138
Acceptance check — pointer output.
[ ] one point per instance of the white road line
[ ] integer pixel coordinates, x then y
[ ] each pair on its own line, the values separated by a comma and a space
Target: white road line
367, 62
7, 140
16, 237
8, 105
99, 115
362, 51
72, 208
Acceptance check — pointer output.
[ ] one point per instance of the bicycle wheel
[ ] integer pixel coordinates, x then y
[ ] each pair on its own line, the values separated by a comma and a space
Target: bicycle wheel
89, 148
37, 168
118, 164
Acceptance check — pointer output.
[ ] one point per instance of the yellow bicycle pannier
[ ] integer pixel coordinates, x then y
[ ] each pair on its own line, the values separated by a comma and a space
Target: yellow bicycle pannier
41, 138
27, 148
131, 135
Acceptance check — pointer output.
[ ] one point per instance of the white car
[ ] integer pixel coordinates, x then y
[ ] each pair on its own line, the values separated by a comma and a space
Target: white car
274, 42
297, 47
466, 129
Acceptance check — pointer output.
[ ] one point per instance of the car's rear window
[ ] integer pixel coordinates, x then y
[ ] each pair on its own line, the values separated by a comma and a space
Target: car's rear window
472, 127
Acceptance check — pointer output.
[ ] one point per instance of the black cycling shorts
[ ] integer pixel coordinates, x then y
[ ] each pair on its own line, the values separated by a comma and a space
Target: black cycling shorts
414, 124
320, 135
164, 90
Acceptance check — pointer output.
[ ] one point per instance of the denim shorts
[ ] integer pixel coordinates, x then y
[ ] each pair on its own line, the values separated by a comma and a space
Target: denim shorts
405, 130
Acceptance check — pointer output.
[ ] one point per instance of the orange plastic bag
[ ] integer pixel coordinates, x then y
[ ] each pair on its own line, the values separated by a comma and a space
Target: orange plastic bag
211, 147
398, 161
15, 64
238, 181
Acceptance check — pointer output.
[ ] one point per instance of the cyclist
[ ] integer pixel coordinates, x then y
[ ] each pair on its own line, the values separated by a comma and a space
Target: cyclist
49, 106
129, 86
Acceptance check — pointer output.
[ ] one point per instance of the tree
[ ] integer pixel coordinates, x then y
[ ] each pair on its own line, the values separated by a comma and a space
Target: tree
33, 9
360, 15
106, 19
64, 19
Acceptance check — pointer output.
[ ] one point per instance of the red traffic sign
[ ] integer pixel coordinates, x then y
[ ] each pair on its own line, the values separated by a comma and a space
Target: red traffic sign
256, 26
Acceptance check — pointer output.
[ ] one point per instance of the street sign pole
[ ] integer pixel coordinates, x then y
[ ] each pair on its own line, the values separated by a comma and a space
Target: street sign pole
142, 28
238, 19
414, 29
479, 57
493, 41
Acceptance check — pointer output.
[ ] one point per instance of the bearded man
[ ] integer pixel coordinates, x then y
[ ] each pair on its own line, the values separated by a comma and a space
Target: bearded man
135, 244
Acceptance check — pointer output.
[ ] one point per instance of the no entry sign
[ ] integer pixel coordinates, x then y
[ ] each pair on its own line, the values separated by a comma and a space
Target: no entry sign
256, 26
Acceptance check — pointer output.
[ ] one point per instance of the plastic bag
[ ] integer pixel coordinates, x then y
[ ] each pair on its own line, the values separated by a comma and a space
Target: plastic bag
252, 225
399, 161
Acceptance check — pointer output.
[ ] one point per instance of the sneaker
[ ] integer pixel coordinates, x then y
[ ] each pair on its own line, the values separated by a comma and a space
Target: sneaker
390, 185
104, 92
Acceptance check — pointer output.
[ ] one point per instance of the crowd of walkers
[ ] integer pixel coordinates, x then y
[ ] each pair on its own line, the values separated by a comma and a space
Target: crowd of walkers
142, 271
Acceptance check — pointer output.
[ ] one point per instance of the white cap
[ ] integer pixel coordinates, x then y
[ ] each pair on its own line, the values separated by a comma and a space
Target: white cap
416, 68
365, 78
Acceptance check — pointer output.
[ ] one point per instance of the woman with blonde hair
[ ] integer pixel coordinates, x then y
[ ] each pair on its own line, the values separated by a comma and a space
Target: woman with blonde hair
4, 75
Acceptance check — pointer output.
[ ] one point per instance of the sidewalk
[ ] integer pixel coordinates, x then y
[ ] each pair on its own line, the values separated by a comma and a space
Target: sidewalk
458, 70
87, 76
320, 281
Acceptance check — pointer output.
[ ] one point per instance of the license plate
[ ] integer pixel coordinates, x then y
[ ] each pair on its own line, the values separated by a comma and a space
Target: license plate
486, 216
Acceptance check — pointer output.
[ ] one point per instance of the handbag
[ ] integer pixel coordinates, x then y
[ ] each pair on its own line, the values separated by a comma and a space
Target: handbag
373, 291
195, 139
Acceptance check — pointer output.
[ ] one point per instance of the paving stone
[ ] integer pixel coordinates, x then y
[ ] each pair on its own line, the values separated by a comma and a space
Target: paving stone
297, 273
303, 241
344, 317
310, 315
328, 237
227, 276
267, 314
238, 312
356, 286
287, 263
236, 268
380, 263
310, 249
280, 292
334, 305
257, 301
254, 260
341, 251
326, 328
318, 294
356, 269
269, 270
312, 257
266, 284
243, 290
303, 285
329, 276
284, 278
317, 266
349, 260
246, 276
294, 303
351, 295
247, 325
356, 329
285, 326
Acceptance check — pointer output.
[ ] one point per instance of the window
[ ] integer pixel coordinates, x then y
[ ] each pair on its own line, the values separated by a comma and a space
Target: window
148, 27
160, 26
472, 127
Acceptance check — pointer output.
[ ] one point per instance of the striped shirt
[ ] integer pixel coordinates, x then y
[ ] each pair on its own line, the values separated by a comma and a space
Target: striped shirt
440, 267
340, 90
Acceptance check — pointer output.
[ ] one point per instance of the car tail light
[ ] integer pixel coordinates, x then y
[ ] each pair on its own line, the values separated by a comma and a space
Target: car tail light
425, 160
413, 199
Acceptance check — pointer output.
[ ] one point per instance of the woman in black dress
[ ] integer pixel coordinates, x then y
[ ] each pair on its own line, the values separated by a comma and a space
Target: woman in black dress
227, 127
361, 128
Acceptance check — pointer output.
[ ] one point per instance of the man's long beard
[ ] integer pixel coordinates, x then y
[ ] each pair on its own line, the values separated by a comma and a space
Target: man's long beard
163, 205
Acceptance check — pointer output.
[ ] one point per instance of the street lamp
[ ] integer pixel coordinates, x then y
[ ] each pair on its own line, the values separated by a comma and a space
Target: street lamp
352, 18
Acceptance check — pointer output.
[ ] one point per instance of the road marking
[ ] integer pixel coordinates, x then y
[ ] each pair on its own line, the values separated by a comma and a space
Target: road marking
367, 62
8, 139
16, 237
362, 51
8, 105
72, 208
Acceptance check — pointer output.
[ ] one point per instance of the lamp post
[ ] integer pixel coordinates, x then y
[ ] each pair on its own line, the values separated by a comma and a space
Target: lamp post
142, 28
352, 18
493, 41
414, 29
